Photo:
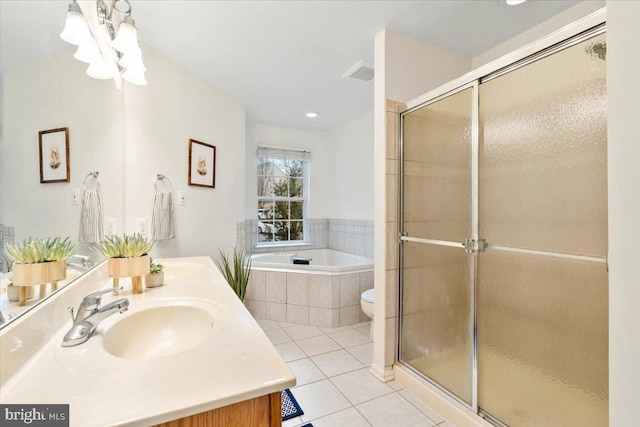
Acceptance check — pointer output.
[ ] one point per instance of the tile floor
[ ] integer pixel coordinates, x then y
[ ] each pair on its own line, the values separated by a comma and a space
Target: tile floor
335, 387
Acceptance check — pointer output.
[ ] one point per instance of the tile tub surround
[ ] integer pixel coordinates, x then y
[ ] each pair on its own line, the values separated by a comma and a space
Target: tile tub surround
351, 236
322, 299
346, 235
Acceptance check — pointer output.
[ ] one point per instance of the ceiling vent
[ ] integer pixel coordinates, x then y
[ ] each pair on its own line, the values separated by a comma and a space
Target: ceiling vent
362, 70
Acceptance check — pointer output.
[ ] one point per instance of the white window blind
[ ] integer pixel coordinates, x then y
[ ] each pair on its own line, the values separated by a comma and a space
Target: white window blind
283, 153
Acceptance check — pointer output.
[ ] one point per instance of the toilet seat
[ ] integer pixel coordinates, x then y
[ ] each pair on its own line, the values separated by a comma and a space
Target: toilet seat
368, 295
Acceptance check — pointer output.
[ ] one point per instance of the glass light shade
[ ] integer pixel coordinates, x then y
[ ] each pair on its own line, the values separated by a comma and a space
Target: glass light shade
135, 76
127, 38
87, 52
76, 31
99, 69
132, 61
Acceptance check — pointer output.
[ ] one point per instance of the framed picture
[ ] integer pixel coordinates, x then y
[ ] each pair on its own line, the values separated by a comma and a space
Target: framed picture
54, 155
202, 164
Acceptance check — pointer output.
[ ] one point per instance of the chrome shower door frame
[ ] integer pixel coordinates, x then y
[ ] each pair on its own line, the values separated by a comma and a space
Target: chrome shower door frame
403, 237
587, 27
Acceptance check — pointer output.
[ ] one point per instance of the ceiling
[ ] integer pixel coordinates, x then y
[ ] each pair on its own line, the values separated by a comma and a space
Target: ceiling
282, 59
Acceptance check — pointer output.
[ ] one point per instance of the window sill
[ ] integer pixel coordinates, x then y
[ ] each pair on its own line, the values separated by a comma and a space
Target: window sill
282, 245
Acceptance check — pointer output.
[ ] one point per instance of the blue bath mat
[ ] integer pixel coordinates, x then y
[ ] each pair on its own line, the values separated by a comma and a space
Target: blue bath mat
290, 407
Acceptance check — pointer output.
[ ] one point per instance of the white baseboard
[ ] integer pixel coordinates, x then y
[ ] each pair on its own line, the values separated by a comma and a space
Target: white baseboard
384, 374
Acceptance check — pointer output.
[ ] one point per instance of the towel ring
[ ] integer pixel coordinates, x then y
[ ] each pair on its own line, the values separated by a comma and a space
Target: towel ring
96, 178
161, 178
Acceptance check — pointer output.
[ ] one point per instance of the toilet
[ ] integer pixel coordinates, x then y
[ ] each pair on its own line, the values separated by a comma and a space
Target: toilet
366, 302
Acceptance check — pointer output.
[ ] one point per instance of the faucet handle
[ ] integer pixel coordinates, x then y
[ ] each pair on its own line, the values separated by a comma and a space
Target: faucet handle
73, 317
96, 297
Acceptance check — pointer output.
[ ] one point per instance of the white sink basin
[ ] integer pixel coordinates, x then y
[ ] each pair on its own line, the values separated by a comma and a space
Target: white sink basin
175, 270
159, 331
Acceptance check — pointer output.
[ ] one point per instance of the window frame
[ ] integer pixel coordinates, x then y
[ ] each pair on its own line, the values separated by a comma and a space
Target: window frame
304, 199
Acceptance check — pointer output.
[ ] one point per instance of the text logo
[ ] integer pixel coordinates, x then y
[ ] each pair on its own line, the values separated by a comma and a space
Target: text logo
34, 415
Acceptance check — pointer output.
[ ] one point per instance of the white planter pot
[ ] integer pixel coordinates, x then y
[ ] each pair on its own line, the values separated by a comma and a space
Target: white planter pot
153, 280
13, 293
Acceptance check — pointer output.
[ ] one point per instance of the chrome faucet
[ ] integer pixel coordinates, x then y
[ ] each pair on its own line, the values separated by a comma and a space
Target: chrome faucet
4, 319
90, 314
81, 263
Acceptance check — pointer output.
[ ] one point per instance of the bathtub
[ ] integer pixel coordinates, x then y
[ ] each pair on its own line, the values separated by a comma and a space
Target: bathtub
324, 293
328, 260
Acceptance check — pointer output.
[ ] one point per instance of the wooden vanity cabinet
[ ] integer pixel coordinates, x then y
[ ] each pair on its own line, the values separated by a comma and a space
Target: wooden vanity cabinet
263, 411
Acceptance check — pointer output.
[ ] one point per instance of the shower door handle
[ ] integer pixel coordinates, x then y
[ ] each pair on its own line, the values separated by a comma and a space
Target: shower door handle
472, 246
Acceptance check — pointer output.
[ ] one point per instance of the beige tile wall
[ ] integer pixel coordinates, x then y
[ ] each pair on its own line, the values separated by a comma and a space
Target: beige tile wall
391, 230
321, 299
346, 235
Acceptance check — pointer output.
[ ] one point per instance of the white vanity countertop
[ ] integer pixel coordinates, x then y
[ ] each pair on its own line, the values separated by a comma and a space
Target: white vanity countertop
238, 362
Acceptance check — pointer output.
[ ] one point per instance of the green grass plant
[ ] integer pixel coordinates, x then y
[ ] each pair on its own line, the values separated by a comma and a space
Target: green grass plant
236, 271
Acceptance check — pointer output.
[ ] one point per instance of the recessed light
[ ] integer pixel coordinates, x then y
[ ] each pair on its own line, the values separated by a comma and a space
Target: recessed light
515, 2
312, 115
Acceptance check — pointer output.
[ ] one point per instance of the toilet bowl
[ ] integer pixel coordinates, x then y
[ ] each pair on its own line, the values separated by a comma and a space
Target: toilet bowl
366, 302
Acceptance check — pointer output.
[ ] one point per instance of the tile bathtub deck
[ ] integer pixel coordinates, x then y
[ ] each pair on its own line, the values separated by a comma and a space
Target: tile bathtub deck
335, 387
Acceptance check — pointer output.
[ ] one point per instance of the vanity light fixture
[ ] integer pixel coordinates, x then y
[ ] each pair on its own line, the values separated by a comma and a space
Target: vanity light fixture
312, 115
124, 47
515, 2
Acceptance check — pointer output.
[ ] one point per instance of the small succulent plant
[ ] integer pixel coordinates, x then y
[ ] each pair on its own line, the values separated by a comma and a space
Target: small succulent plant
32, 251
155, 268
127, 246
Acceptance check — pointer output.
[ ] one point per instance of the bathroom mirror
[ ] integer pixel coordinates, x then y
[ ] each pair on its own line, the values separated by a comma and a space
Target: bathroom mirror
44, 87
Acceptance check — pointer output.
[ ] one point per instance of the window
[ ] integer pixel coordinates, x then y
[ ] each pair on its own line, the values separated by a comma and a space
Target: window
282, 195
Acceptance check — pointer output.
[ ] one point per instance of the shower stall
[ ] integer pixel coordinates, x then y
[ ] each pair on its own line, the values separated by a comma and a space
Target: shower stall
503, 271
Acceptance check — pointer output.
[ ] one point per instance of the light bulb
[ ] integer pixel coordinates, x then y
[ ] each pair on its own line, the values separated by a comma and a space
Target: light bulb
99, 69
76, 31
132, 61
126, 40
135, 76
87, 52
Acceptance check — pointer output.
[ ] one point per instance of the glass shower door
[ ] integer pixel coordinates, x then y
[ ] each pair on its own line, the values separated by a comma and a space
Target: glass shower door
542, 282
436, 337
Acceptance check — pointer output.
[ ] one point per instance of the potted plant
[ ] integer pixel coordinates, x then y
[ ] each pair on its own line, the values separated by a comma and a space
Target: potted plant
13, 292
236, 272
39, 261
128, 257
155, 277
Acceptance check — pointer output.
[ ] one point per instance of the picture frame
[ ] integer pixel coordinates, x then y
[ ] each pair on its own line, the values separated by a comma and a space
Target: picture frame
202, 164
54, 155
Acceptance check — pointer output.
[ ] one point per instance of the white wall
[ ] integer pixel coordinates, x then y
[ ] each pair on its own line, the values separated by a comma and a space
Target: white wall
320, 171
623, 87
160, 118
48, 94
352, 166
380, 330
555, 23
414, 67
341, 170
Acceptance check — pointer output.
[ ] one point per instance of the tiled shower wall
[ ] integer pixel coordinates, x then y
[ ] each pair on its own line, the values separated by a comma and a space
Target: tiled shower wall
346, 235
